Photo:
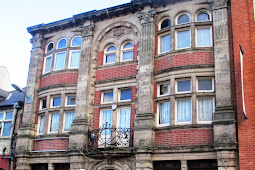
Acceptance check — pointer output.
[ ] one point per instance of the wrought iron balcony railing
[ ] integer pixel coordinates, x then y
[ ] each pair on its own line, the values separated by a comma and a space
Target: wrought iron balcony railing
109, 136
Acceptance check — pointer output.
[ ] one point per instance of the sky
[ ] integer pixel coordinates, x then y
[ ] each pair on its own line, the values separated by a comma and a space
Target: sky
17, 15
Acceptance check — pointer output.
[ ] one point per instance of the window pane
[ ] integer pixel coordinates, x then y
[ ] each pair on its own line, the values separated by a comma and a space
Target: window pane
165, 43
205, 84
1, 116
203, 17
43, 103
205, 109
60, 61
54, 122
108, 97
127, 55
69, 120
183, 85
204, 37
8, 116
7, 129
124, 118
76, 41
164, 89
183, 19
42, 121
106, 118
125, 94
110, 49
128, 45
48, 61
110, 58
184, 110
183, 39
71, 100
75, 59
50, 47
62, 43
164, 113
166, 23
56, 101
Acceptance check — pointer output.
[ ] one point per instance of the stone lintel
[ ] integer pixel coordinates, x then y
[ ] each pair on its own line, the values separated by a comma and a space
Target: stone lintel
226, 113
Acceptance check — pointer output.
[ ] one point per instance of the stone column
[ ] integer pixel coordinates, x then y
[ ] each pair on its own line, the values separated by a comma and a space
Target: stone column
27, 128
78, 139
144, 122
184, 165
50, 166
224, 117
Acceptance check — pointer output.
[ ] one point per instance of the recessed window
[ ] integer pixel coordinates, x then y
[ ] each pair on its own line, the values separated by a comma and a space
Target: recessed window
69, 117
164, 89
183, 86
165, 43
49, 47
184, 18
71, 100
108, 97
110, 55
76, 41
166, 23
43, 103
125, 94
106, 118
54, 122
41, 123
183, 39
74, 59
204, 37
6, 123
62, 43
164, 114
203, 16
127, 52
47, 64
184, 110
56, 101
60, 60
205, 109
205, 84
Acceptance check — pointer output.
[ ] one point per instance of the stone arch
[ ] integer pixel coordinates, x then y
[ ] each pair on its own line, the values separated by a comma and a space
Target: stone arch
116, 165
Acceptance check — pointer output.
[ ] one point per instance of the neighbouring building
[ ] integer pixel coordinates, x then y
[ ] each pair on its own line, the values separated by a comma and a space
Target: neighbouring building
143, 85
243, 36
11, 109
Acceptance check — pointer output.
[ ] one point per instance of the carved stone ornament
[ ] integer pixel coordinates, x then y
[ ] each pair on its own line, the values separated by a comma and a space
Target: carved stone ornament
147, 17
118, 32
87, 30
37, 40
218, 3
143, 144
224, 140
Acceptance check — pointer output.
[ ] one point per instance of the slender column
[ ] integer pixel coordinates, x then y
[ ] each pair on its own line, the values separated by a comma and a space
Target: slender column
224, 117
184, 165
50, 166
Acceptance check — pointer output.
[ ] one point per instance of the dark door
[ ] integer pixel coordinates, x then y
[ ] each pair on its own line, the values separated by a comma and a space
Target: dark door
167, 165
209, 164
39, 166
61, 166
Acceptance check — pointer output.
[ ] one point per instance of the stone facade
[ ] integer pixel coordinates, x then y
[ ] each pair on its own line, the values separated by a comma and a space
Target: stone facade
159, 72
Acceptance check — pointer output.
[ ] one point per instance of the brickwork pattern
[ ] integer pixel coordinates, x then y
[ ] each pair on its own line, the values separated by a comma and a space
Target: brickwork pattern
51, 144
65, 78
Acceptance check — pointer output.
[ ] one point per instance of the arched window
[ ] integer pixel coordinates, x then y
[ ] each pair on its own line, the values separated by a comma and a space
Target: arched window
127, 51
184, 18
203, 33
110, 54
62, 43
203, 16
49, 47
76, 41
166, 23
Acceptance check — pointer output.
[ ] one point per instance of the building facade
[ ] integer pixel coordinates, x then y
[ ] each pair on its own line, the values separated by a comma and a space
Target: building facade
143, 85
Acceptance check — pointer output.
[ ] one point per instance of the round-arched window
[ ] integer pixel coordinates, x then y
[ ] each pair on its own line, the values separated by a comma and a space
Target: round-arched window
49, 47
62, 43
203, 16
127, 51
76, 41
184, 18
166, 23
110, 54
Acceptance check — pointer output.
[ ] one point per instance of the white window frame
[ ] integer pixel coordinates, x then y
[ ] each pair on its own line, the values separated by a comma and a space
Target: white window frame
59, 41
159, 42
102, 96
108, 53
176, 86
201, 27
44, 64
176, 112
126, 50
158, 89
119, 94
176, 38
41, 103
161, 21
205, 90
72, 42
203, 11
182, 13
158, 108
66, 100
47, 47
205, 122
51, 101
39, 123
118, 115
69, 59
64, 119
49, 124
4, 121
55, 61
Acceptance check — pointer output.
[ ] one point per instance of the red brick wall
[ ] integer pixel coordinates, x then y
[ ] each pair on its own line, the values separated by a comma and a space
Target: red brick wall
51, 144
65, 78
156, 41
97, 99
116, 72
243, 34
4, 163
135, 52
133, 93
184, 137
190, 58
100, 58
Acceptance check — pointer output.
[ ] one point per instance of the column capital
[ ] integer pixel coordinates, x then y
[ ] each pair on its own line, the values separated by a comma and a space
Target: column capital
217, 4
147, 17
87, 30
37, 40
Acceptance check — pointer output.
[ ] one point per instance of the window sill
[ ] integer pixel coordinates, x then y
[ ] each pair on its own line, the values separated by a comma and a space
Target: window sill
117, 64
60, 71
186, 126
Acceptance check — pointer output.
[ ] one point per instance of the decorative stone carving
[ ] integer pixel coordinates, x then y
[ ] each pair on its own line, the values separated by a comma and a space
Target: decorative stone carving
224, 141
37, 41
147, 17
142, 143
118, 32
218, 3
87, 30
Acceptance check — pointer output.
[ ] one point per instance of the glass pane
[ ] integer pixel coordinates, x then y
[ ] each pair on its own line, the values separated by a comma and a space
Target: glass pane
56, 101
62, 43
69, 120
76, 41
128, 45
204, 37
8, 116
43, 103
48, 62
108, 97
7, 129
71, 100
205, 109
125, 94
50, 47
54, 122
110, 49
166, 23
106, 118
60, 61
110, 58
183, 39
42, 121
184, 110
165, 43
75, 59
164, 113
183, 85
128, 55
205, 84
203, 17
183, 19
164, 89
1, 116
124, 118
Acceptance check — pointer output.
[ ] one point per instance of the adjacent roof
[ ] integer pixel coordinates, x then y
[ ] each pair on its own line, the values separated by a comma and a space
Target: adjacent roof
13, 96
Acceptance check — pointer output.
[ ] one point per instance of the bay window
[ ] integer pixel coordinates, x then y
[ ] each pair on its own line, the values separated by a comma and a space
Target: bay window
47, 64
205, 109
41, 123
54, 122
184, 111
164, 113
56, 101
183, 39
183, 86
204, 36
60, 61
69, 117
165, 43
74, 59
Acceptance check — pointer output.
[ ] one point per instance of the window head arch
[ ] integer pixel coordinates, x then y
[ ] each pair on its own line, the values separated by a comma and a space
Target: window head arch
76, 41
110, 54
62, 43
127, 51
49, 47
183, 18
203, 16
165, 23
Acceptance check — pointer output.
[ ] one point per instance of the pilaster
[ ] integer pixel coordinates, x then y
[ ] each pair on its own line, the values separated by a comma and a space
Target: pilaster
144, 161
